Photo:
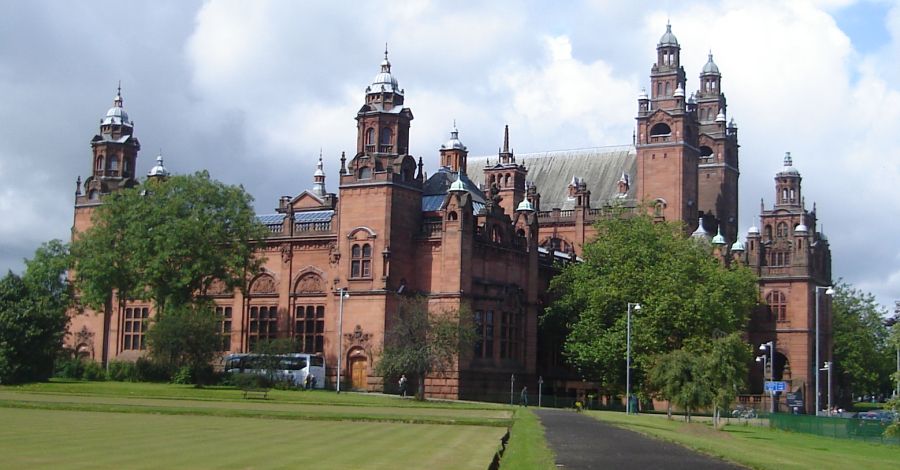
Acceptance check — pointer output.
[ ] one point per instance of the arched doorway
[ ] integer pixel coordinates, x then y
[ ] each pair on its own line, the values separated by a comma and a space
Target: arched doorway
359, 372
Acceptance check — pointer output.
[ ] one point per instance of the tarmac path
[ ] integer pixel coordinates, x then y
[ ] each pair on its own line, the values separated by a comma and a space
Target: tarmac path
581, 442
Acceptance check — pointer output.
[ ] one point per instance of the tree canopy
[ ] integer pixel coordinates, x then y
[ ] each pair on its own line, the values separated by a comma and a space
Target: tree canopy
420, 342
863, 354
686, 296
167, 241
33, 316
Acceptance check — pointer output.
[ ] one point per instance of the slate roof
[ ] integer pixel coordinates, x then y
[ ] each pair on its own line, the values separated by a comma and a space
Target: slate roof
438, 184
299, 217
551, 172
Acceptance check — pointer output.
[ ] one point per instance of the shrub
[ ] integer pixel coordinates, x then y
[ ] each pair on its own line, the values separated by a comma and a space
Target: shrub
122, 371
183, 375
68, 368
94, 371
245, 381
148, 371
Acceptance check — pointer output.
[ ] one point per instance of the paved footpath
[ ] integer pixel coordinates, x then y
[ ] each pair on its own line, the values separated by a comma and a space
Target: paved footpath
581, 442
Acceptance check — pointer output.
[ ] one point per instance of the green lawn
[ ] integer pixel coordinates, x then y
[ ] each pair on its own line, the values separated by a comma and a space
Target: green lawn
761, 447
127, 425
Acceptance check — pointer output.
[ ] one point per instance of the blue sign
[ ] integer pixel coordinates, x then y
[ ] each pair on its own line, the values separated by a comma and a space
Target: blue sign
778, 386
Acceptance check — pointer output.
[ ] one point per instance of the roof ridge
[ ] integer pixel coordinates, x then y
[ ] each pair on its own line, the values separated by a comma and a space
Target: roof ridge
545, 152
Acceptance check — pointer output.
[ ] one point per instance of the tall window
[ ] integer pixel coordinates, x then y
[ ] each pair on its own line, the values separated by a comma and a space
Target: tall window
777, 305
361, 260
510, 327
370, 136
782, 230
134, 328
263, 325
484, 331
309, 328
224, 314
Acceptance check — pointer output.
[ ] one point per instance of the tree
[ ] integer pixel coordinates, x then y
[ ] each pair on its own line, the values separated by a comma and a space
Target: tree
168, 241
421, 342
678, 376
185, 337
724, 365
863, 355
33, 316
684, 292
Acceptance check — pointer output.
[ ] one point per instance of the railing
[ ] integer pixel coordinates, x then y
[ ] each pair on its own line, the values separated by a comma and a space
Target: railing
432, 228
312, 227
276, 228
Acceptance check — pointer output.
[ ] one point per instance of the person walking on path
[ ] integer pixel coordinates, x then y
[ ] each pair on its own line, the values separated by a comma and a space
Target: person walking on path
523, 400
403, 383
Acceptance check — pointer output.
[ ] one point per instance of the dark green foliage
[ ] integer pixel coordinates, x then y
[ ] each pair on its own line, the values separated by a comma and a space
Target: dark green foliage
863, 354
185, 338
420, 342
93, 371
167, 242
33, 316
68, 367
122, 371
685, 293
146, 370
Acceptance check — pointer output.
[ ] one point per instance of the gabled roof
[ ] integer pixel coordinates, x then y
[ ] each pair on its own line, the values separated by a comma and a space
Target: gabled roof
599, 167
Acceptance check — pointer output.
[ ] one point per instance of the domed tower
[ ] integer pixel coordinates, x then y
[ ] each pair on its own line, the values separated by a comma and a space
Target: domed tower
383, 121
666, 139
792, 259
718, 162
115, 152
454, 153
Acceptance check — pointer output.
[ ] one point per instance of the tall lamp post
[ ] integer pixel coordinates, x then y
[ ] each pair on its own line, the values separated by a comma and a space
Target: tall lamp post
828, 291
340, 336
636, 307
764, 359
828, 368
770, 345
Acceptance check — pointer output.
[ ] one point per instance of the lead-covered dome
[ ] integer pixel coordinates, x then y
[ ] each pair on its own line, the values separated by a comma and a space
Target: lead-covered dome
710, 68
116, 115
384, 81
668, 39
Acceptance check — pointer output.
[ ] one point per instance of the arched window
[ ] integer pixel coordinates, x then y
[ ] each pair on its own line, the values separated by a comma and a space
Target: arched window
93, 195
100, 162
705, 151
777, 306
660, 129
452, 216
385, 136
361, 260
667, 89
112, 164
782, 230
370, 136
365, 173
768, 232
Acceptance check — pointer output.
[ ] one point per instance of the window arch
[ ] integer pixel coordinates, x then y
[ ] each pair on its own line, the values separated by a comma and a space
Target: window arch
768, 231
385, 138
781, 230
370, 136
777, 306
452, 216
93, 195
361, 260
660, 129
365, 173
705, 151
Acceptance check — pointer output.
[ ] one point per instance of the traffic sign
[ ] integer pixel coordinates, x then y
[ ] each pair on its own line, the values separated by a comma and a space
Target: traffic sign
776, 386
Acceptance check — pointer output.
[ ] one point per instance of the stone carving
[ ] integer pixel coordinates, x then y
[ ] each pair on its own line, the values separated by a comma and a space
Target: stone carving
216, 287
358, 338
263, 285
334, 256
309, 283
286, 253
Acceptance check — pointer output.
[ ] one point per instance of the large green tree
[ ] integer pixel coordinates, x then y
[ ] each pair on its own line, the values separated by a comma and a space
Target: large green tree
421, 342
684, 291
33, 316
167, 241
863, 354
186, 337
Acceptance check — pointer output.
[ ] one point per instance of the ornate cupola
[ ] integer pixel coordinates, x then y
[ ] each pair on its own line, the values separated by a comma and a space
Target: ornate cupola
319, 179
787, 185
454, 153
667, 73
114, 151
159, 171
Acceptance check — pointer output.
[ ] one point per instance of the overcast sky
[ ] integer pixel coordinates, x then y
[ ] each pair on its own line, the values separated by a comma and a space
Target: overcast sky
252, 91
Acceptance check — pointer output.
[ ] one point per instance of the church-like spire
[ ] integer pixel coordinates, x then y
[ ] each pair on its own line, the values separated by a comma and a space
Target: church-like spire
319, 178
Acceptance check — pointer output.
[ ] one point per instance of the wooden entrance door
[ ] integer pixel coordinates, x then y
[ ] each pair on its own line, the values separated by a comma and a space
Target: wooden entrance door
358, 373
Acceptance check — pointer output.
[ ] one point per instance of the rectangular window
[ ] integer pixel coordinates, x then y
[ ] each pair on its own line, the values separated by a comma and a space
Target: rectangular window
309, 328
134, 327
504, 335
224, 314
263, 325
484, 334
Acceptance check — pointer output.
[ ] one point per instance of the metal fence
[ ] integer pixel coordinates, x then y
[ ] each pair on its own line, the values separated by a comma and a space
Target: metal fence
868, 430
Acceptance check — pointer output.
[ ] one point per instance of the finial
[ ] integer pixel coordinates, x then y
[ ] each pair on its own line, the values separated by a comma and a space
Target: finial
668, 25
119, 88
320, 154
385, 51
787, 159
78, 186
506, 138
343, 163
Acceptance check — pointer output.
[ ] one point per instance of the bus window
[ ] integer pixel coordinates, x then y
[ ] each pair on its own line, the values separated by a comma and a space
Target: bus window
317, 361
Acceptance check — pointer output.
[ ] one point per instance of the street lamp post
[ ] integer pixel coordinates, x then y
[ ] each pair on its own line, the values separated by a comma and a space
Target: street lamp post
770, 345
636, 307
340, 335
828, 291
828, 367
764, 359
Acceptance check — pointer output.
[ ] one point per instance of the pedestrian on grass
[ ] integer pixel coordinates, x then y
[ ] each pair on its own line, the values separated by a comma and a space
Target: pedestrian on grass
403, 382
523, 400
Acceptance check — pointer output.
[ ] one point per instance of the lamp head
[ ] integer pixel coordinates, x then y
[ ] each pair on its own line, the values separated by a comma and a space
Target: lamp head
637, 306
762, 347
829, 291
760, 358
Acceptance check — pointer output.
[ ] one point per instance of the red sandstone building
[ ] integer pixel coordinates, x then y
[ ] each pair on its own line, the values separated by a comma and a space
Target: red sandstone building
482, 232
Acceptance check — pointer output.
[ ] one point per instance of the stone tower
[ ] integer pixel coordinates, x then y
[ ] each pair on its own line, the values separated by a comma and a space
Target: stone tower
666, 140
